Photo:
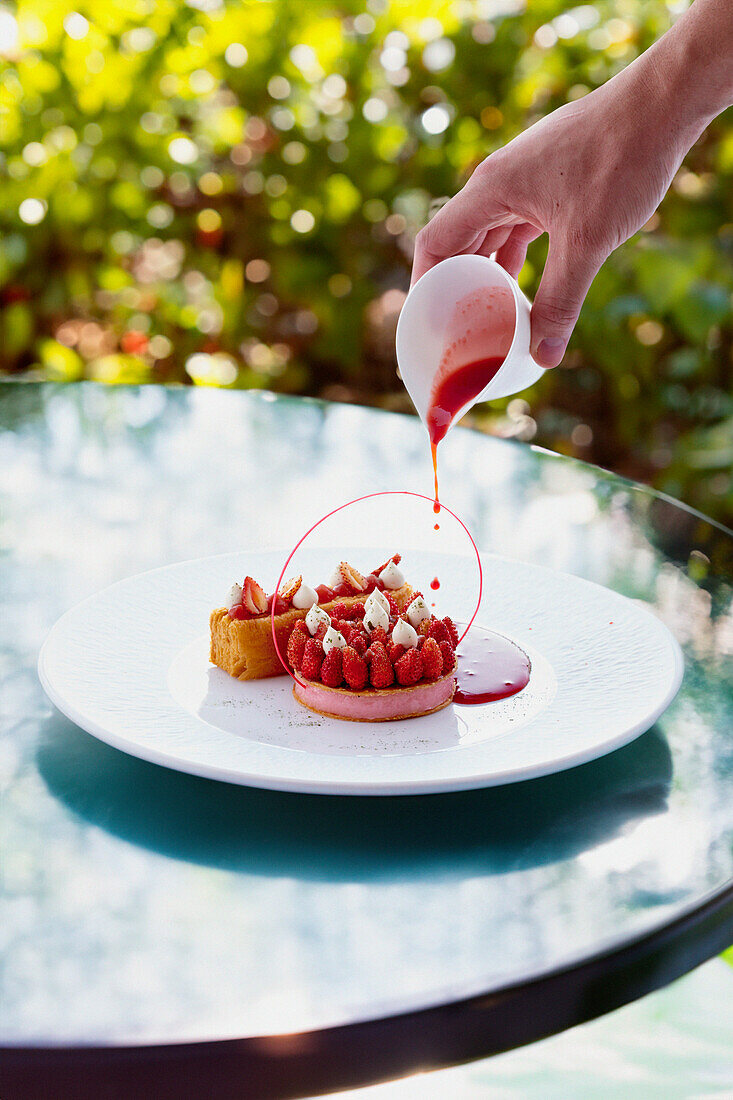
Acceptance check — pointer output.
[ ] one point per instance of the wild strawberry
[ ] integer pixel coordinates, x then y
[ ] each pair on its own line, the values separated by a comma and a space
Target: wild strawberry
381, 673
296, 649
237, 612
395, 651
354, 668
359, 642
438, 630
254, 599
312, 658
409, 668
448, 655
393, 608
432, 659
423, 628
332, 668
321, 631
347, 611
379, 636
324, 593
450, 626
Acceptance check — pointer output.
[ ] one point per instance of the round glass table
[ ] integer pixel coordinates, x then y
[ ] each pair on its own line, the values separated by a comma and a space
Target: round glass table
169, 935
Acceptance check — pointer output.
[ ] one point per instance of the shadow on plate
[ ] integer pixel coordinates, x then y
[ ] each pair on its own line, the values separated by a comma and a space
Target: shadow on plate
490, 831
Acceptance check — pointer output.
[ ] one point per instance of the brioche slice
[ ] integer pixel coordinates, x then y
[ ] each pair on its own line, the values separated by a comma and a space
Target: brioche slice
244, 647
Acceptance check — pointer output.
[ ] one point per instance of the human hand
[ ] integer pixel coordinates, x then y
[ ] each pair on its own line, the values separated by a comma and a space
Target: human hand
590, 175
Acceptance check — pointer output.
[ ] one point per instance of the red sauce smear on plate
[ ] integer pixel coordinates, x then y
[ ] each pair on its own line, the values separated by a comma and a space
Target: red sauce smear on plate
490, 667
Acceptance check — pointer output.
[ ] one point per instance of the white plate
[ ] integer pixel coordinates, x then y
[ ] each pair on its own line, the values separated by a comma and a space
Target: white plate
130, 665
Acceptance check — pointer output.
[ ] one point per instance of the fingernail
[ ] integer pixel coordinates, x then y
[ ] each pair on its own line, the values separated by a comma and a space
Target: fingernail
549, 351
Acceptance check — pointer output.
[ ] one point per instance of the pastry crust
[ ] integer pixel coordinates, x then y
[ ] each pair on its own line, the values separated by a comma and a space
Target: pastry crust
344, 698
244, 647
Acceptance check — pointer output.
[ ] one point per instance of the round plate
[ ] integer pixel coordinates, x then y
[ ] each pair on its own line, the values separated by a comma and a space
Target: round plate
130, 665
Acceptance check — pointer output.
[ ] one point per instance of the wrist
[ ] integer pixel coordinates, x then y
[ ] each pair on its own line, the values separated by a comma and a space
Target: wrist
690, 69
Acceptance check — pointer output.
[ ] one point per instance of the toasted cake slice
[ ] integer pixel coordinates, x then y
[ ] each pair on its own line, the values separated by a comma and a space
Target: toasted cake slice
241, 634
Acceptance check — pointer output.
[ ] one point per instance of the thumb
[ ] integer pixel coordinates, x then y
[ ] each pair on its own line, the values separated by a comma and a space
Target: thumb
563, 287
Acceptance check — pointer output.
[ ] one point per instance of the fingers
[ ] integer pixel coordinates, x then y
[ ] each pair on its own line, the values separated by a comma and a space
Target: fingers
460, 226
494, 240
564, 285
513, 252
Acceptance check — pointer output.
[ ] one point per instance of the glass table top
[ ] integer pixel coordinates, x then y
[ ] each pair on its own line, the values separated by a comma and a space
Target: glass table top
141, 905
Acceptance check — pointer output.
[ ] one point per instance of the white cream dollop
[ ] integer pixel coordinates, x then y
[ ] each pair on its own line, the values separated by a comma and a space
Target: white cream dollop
305, 597
392, 577
418, 611
404, 634
332, 639
235, 595
315, 617
375, 617
378, 599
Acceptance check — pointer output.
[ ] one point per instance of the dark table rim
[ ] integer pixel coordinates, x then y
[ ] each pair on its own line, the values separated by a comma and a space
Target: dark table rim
368, 1051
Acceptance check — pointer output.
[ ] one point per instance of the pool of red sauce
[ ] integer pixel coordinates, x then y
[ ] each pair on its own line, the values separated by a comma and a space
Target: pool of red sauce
489, 667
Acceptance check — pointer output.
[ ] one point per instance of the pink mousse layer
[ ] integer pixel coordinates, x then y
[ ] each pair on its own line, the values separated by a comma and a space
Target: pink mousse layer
376, 706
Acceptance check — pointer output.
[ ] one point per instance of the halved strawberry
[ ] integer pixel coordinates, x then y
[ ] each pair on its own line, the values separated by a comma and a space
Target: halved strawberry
396, 558
352, 577
290, 587
254, 598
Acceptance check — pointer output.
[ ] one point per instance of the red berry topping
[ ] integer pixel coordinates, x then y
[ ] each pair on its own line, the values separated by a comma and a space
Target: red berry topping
372, 582
359, 642
281, 605
296, 649
347, 611
448, 655
355, 669
325, 594
424, 627
237, 612
312, 659
379, 636
409, 668
332, 674
432, 659
393, 608
381, 673
450, 626
439, 631
395, 651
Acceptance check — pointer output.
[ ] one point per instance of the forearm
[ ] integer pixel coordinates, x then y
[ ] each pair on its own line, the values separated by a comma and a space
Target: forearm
691, 67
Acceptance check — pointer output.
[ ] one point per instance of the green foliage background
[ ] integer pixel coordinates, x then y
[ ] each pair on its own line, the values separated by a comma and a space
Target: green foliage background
226, 193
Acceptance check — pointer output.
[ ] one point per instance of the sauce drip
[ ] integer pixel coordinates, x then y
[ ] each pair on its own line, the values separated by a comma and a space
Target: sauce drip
435, 584
489, 667
450, 394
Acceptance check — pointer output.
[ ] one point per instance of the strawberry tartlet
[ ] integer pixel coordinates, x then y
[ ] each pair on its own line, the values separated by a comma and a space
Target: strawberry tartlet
378, 662
365, 648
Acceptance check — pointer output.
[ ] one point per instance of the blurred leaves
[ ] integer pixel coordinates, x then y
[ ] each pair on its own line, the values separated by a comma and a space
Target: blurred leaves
227, 193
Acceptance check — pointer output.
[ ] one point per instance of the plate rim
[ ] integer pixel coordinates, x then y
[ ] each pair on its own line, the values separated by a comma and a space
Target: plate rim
351, 787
